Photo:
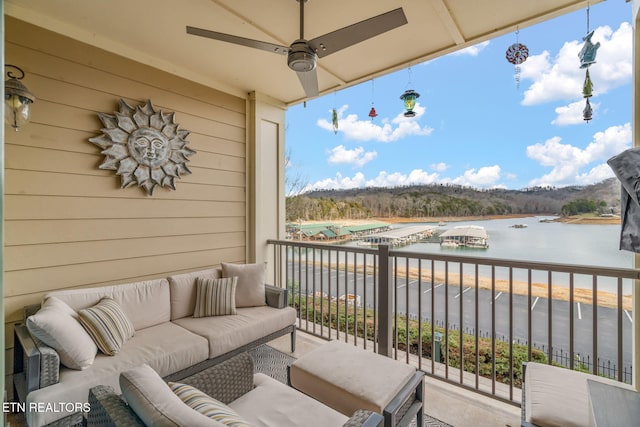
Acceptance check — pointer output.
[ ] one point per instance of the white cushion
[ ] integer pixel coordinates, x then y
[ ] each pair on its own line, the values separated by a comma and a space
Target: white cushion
272, 403
226, 333
250, 290
348, 378
183, 291
57, 326
557, 396
145, 303
154, 402
167, 348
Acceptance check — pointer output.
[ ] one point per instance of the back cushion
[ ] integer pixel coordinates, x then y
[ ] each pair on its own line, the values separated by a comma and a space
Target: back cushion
183, 291
145, 303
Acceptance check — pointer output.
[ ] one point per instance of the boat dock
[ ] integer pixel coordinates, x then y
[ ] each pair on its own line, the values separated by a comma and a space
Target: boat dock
467, 236
400, 236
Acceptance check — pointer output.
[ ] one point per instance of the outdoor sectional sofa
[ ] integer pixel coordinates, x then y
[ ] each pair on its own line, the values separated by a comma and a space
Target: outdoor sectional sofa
241, 398
166, 336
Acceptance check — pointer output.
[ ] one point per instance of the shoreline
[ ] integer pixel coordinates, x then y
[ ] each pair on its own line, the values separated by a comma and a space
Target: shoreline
519, 287
573, 219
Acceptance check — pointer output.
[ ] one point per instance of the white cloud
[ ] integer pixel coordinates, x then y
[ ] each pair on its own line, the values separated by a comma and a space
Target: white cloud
366, 130
339, 182
485, 177
439, 167
560, 78
567, 160
472, 50
572, 114
357, 157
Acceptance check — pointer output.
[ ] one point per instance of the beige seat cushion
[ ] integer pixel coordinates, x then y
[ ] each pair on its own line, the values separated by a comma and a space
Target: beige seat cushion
183, 291
558, 397
145, 303
156, 404
347, 378
167, 348
226, 333
272, 403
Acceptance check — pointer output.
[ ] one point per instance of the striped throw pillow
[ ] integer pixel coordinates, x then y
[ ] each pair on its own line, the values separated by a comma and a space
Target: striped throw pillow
107, 324
215, 297
207, 405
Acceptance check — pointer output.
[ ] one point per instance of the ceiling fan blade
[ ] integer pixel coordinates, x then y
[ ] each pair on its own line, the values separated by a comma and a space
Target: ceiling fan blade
309, 81
358, 32
269, 47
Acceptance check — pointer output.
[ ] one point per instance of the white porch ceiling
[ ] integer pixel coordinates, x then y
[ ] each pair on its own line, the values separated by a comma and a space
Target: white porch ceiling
153, 32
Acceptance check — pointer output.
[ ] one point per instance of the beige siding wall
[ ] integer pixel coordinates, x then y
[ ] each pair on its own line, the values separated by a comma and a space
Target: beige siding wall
69, 224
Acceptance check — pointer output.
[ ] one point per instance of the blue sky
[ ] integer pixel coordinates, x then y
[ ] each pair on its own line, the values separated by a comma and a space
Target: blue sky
474, 125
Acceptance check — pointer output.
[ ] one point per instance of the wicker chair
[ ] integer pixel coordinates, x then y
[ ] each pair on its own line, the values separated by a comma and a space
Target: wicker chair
225, 382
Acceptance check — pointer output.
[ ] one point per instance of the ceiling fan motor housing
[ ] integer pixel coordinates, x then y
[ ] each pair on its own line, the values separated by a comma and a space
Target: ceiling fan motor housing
301, 57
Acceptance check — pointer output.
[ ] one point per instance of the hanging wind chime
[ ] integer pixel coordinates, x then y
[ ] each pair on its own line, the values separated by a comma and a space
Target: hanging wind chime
372, 113
516, 54
587, 57
334, 118
409, 99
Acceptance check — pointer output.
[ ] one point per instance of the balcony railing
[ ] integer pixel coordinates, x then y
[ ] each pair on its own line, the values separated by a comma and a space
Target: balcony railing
468, 320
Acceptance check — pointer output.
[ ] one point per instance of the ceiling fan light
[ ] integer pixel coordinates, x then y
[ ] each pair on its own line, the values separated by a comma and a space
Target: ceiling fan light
301, 57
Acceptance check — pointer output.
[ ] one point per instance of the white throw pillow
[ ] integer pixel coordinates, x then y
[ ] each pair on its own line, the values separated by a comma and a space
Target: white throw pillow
250, 289
153, 401
56, 324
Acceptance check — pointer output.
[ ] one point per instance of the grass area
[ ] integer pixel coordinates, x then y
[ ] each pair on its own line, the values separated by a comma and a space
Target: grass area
417, 336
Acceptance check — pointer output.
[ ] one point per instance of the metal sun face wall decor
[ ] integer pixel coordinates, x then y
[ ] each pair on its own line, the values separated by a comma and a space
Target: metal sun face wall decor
144, 146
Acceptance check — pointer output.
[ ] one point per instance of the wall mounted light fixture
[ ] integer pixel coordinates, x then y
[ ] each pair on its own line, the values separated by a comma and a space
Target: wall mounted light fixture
17, 99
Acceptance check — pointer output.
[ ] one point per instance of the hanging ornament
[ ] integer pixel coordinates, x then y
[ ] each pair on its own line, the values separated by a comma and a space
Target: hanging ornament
334, 120
372, 112
587, 113
588, 52
587, 56
516, 54
587, 87
409, 99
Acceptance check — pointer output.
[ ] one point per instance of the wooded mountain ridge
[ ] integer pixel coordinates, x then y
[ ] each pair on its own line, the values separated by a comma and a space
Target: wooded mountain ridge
445, 200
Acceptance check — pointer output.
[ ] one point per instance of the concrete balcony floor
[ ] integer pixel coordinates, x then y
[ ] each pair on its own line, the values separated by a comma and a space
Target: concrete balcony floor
447, 402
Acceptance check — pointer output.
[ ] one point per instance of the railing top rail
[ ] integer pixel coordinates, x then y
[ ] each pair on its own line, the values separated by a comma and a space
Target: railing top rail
624, 273
324, 246
591, 270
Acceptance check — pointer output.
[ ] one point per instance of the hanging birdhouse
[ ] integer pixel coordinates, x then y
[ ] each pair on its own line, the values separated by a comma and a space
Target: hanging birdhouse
372, 113
409, 98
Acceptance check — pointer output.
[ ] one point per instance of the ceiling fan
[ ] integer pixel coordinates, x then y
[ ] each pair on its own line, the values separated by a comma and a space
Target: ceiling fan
302, 54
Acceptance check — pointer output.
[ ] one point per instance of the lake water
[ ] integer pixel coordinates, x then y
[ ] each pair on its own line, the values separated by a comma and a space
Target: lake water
580, 244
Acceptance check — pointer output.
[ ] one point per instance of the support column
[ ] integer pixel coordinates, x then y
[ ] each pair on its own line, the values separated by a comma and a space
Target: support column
265, 193
385, 301
635, 126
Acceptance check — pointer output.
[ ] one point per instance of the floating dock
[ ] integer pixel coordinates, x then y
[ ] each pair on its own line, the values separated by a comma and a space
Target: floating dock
465, 236
400, 236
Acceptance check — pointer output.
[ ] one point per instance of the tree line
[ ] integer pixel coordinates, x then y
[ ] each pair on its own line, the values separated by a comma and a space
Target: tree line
451, 200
